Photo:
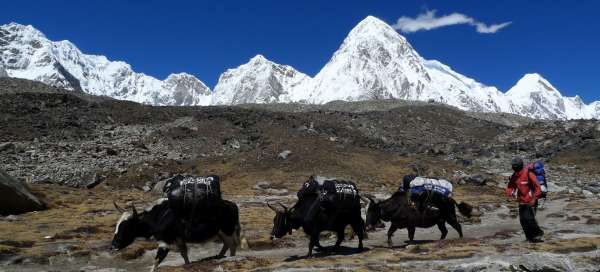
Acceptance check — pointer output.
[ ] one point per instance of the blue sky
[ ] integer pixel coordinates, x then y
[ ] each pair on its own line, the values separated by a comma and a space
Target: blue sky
558, 39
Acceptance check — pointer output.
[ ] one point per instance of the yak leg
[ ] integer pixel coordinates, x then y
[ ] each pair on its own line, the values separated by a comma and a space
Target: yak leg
358, 227
183, 250
443, 229
411, 233
340, 238
454, 223
227, 244
161, 254
319, 246
314, 240
390, 233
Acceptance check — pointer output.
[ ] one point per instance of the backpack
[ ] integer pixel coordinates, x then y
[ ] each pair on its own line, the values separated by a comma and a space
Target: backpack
537, 168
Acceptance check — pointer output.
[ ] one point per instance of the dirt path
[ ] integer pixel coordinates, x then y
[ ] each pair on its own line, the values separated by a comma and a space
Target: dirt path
497, 230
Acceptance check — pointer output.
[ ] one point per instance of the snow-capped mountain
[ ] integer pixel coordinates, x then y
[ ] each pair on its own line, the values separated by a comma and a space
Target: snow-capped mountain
26, 53
258, 81
535, 97
373, 62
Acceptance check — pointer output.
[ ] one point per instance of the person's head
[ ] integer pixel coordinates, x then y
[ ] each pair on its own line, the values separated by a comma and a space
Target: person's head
516, 164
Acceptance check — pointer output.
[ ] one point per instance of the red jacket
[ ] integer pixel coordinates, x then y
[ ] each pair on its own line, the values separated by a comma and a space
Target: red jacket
527, 186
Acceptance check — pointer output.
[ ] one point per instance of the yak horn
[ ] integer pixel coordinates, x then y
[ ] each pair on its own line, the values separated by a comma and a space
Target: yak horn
119, 209
133, 209
284, 207
271, 207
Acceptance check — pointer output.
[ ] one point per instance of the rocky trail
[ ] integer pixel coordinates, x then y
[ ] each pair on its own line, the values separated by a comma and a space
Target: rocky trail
79, 153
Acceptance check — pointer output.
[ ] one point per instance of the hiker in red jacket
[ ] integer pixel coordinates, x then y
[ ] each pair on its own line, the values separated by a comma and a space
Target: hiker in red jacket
524, 186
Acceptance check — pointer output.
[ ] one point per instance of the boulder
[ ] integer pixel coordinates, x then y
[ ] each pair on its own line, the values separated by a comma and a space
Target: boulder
477, 179
15, 197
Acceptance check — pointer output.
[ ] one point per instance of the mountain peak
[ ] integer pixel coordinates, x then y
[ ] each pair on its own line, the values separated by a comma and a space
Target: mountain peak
532, 83
258, 58
371, 20
28, 30
373, 27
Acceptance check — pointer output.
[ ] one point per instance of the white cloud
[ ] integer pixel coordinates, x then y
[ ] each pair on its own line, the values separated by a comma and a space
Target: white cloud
428, 21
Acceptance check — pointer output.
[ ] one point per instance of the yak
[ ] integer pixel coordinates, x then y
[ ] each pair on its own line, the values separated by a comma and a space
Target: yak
402, 214
160, 222
309, 215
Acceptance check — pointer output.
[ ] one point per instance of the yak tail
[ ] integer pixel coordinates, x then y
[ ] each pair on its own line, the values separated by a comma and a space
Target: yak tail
464, 208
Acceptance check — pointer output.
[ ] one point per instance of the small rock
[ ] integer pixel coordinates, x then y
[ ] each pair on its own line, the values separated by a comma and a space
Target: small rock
233, 143
478, 179
593, 221
262, 185
587, 194
488, 207
284, 155
97, 179
10, 217
111, 152
277, 192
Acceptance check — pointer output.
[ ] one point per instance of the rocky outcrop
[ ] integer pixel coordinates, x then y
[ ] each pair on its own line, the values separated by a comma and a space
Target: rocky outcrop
3, 72
15, 197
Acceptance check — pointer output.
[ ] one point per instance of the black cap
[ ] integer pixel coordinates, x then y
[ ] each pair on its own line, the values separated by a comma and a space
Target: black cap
516, 161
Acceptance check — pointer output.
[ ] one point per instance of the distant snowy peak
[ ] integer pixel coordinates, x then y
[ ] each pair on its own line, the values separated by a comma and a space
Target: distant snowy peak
376, 62
258, 81
534, 96
27, 53
532, 83
186, 89
373, 62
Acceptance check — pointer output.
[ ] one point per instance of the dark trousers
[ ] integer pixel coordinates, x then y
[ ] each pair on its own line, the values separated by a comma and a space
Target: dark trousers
528, 222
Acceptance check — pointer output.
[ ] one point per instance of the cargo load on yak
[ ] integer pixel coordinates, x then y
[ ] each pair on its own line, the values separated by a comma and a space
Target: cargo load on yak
193, 197
425, 191
331, 195
340, 194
